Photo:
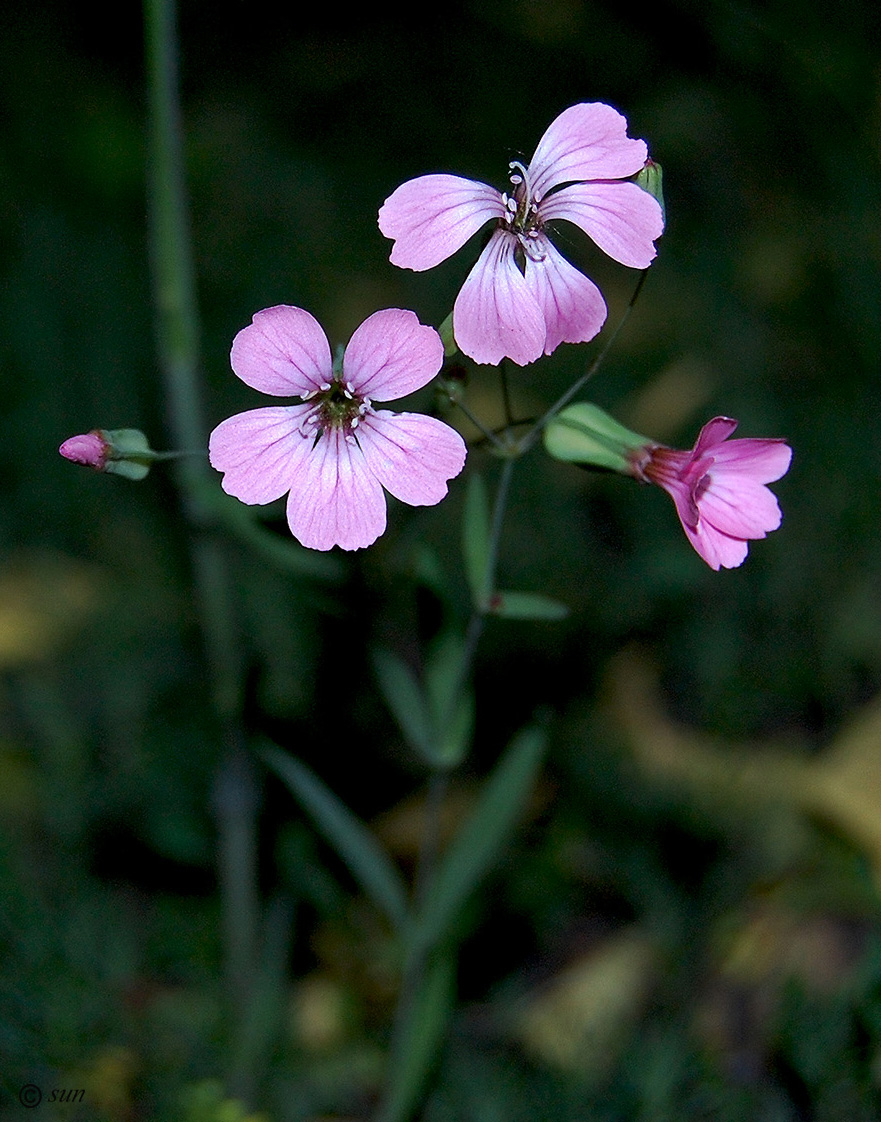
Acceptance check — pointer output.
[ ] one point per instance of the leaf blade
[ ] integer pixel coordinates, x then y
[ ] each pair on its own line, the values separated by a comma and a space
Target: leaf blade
356, 845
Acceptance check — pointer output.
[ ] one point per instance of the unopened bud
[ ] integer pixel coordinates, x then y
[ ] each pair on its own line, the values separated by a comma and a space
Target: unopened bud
585, 434
89, 449
119, 451
651, 179
445, 331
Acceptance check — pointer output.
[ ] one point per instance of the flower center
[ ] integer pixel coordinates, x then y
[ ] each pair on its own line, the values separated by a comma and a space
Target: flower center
336, 406
521, 212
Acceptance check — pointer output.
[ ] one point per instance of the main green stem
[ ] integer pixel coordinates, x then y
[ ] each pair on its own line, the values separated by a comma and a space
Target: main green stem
177, 335
392, 1108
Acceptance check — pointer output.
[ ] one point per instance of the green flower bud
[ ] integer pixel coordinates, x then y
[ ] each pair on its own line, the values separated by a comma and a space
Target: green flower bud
651, 179
445, 331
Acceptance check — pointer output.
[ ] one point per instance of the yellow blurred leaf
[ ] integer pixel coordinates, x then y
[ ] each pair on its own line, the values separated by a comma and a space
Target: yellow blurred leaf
580, 1018
44, 600
841, 786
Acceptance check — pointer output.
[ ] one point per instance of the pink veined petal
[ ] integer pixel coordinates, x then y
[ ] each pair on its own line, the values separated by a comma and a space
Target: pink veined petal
431, 217
586, 141
495, 313
687, 509
412, 455
621, 218
336, 500
283, 352
712, 434
260, 452
718, 550
763, 460
392, 354
572, 305
738, 506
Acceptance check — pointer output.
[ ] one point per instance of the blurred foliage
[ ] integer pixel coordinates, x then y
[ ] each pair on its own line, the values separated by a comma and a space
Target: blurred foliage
687, 925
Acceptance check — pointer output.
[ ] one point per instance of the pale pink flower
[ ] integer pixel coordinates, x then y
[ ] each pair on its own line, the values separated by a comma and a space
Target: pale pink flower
523, 298
719, 488
335, 451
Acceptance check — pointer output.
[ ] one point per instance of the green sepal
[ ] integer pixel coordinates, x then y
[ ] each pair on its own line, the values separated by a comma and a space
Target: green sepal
585, 434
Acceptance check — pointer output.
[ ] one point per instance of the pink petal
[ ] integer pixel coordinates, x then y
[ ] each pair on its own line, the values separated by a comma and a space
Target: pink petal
764, 460
260, 452
429, 218
336, 499
392, 354
572, 305
738, 506
495, 313
718, 550
284, 352
621, 218
586, 141
412, 455
712, 434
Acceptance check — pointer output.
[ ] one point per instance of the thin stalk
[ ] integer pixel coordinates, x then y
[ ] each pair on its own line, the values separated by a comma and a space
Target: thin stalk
532, 436
416, 960
177, 336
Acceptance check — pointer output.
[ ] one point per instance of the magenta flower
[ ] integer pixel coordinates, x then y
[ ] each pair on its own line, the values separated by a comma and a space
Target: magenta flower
719, 489
336, 451
523, 298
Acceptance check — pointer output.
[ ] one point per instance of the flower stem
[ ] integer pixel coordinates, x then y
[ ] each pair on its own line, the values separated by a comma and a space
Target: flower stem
532, 436
177, 335
402, 1092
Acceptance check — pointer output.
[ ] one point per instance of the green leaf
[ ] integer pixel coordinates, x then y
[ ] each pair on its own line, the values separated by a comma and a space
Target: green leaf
476, 540
256, 1033
366, 859
479, 843
406, 699
422, 1034
450, 698
526, 605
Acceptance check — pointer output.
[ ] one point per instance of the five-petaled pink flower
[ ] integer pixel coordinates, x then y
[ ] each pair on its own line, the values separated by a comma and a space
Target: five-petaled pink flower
523, 298
335, 451
719, 489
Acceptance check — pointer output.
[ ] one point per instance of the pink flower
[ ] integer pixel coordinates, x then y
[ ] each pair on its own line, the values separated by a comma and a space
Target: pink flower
719, 489
336, 451
523, 298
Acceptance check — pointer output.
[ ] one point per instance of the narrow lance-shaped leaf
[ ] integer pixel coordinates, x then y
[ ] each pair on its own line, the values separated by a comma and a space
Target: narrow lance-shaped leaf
366, 859
450, 697
479, 843
526, 605
405, 698
421, 1037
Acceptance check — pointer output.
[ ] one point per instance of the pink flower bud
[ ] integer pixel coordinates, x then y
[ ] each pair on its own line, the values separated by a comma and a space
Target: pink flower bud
90, 449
